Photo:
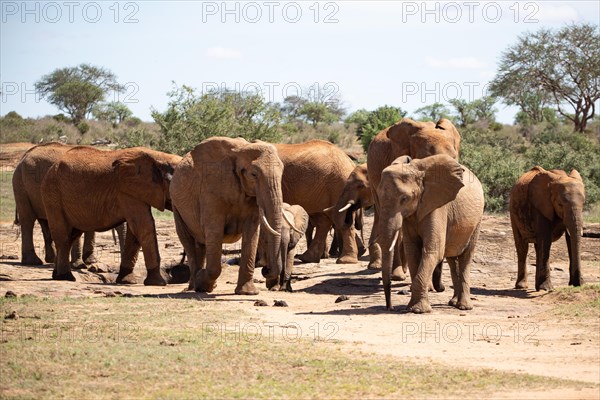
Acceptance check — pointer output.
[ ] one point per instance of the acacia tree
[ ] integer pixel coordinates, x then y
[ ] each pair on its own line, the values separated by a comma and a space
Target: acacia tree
562, 67
370, 123
432, 112
468, 113
114, 112
76, 90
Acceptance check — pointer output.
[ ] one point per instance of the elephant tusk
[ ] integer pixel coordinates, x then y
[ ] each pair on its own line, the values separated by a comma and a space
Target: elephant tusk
291, 224
266, 223
394, 241
347, 206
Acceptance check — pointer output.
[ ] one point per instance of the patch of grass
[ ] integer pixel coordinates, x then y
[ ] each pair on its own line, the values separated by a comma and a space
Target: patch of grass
7, 198
577, 301
157, 214
593, 215
176, 348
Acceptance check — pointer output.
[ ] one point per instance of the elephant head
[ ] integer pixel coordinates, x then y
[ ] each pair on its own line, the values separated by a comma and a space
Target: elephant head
558, 195
413, 189
422, 139
259, 171
291, 232
144, 177
356, 195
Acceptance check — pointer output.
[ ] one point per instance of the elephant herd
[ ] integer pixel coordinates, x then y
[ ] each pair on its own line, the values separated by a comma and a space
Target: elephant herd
428, 208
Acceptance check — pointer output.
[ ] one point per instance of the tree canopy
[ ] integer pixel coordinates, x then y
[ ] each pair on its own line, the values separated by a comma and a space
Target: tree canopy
191, 118
561, 67
75, 90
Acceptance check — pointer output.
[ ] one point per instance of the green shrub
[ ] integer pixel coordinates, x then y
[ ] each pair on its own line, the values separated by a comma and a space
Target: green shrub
83, 127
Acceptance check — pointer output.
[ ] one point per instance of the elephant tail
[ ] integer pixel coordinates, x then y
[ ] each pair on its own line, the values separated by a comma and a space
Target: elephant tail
17, 223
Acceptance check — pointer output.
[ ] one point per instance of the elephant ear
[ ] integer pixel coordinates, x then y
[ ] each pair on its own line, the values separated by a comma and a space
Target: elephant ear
144, 179
575, 175
400, 132
442, 181
540, 193
300, 219
453, 134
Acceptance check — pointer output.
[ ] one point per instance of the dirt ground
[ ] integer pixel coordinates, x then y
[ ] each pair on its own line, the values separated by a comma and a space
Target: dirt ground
509, 330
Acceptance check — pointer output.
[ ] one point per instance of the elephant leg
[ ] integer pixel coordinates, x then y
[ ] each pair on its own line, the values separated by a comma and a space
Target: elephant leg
374, 248
76, 258
245, 284
419, 300
318, 244
89, 244
399, 264
436, 280
28, 255
360, 245
49, 250
542, 269
575, 278
121, 229
462, 269
453, 266
286, 281
542, 254
349, 251
64, 239
522, 248
142, 226
336, 245
131, 250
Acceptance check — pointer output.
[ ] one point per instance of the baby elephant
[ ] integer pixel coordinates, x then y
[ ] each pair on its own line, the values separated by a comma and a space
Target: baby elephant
290, 236
543, 206
435, 206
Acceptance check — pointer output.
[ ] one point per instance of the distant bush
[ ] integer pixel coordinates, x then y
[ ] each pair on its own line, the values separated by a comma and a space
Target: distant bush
83, 127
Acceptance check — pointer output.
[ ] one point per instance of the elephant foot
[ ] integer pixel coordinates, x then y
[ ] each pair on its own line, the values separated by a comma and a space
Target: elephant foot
361, 250
67, 276
374, 265
126, 278
247, 289
545, 285
31, 259
155, 278
347, 260
398, 274
91, 259
308, 258
79, 264
419, 307
460, 304
202, 282
576, 281
49, 257
522, 284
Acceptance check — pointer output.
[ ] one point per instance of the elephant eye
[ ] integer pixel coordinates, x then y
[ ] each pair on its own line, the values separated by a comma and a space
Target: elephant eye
254, 174
403, 199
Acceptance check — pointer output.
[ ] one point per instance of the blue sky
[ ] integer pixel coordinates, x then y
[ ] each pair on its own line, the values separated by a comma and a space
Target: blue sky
371, 53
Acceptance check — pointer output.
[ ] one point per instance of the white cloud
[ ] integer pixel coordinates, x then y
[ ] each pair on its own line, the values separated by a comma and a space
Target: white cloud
222, 53
549, 13
455, 63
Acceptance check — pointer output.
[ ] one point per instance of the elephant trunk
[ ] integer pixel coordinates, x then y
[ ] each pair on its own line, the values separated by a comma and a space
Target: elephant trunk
270, 203
574, 226
389, 234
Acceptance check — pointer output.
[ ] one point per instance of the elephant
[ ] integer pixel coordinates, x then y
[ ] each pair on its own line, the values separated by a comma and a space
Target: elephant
355, 197
27, 179
543, 206
93, 190
289, 239
417, 140
223, 190
314, 176
435, 206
